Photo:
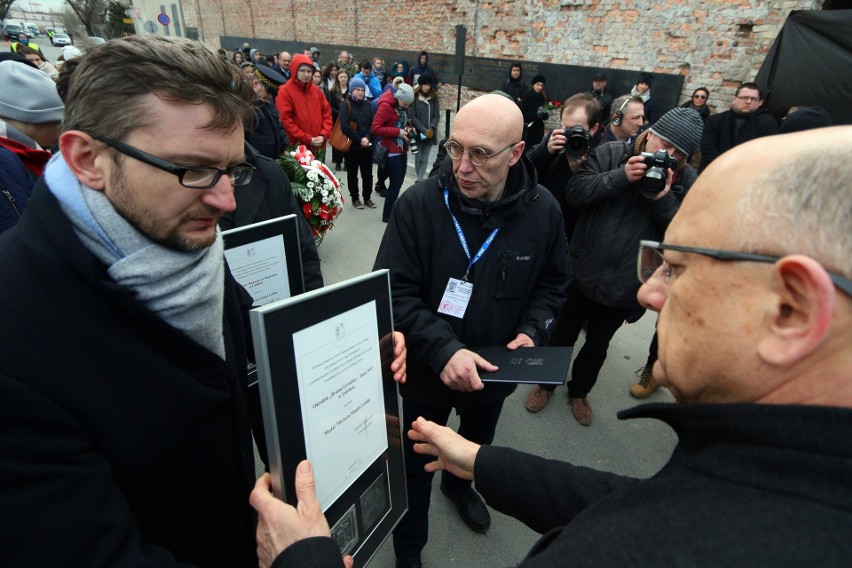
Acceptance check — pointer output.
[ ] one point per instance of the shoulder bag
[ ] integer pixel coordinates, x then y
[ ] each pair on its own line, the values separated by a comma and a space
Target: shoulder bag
339, 140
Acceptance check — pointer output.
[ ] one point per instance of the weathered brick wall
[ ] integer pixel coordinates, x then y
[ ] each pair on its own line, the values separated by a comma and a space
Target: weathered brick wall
712, 43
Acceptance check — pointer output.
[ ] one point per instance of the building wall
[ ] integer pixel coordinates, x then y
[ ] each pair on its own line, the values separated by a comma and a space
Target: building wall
712, 43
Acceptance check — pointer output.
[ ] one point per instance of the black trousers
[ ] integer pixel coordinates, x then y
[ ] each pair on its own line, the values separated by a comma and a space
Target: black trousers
359, 159
603, 322
478, 422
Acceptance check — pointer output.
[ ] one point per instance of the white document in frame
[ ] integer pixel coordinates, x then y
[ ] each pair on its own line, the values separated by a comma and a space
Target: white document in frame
338, 368
261, 268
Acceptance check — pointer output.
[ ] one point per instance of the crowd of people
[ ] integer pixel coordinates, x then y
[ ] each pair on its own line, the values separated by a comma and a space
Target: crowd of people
127, 412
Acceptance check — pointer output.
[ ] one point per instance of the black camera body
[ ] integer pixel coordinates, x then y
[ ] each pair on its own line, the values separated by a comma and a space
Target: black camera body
412, 140
578, 140
654, 180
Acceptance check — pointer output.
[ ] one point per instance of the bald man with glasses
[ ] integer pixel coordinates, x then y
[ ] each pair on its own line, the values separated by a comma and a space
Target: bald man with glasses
477, 257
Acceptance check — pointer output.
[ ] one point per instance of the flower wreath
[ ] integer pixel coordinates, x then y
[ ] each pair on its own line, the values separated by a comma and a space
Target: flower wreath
316, 189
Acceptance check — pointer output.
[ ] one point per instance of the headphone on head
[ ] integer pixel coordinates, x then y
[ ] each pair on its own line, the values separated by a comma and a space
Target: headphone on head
618, 115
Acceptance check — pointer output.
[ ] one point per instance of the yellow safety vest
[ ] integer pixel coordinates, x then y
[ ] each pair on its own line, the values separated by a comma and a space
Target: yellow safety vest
30, 44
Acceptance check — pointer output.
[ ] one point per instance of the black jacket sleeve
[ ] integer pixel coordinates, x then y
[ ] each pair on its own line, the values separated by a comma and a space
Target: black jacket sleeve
543, 494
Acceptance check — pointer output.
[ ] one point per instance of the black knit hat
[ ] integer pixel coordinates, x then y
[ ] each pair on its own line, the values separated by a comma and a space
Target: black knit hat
646, 78
680, 127
538, 79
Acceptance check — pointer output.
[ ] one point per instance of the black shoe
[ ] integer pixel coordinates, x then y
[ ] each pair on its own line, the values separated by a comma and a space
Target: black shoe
380, 190
473, 511
409, 564
337, 167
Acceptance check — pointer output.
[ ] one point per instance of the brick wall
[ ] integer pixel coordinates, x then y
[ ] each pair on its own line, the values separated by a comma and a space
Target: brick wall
712, 43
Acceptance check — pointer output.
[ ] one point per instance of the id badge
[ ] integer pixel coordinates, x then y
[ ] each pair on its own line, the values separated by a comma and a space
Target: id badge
456, 298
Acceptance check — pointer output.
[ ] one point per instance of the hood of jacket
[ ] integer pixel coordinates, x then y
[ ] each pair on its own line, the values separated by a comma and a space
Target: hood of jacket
520, 78
299, 60
521, 186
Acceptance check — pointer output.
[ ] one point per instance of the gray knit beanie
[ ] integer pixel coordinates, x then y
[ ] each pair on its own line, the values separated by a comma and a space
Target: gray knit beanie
404, 94
680, 127
28, 95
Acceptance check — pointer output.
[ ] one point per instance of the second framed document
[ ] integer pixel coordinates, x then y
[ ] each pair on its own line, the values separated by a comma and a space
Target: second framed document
328, 395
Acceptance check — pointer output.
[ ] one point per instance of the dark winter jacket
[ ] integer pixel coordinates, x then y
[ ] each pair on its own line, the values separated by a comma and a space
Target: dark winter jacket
266, 133
515, 88
426, 115
613, 218
720, 133
703, 111
554, 173
108, 403
605, 99
16, 184
417, 69
519, 283
747, 485
530, 104
362, 113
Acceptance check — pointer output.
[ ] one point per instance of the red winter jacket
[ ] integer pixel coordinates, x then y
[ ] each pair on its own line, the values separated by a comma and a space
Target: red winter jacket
384, 124
303, 108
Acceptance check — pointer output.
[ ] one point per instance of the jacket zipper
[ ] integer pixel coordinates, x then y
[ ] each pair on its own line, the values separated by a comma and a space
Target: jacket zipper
11, 199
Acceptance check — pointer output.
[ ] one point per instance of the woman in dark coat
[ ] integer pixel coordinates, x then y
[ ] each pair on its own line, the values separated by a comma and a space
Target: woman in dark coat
698, 103
532, 100
360, 158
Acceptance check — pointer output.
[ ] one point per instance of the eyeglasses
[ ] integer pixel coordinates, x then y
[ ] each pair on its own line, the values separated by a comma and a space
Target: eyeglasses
699, 96
478, 155
195, 177
651, 260
748, 99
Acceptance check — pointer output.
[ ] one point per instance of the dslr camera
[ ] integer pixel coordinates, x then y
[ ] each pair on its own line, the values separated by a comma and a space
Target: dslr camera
412, 139
577, 142
654, 180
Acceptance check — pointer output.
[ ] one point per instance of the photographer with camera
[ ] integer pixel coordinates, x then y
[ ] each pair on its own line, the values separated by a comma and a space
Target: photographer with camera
624, 194
564, 151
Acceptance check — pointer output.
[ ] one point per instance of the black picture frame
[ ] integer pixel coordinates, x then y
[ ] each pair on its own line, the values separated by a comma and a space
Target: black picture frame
368, 509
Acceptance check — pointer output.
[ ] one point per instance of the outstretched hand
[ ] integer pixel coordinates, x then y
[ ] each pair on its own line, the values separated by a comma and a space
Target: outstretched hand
455, 454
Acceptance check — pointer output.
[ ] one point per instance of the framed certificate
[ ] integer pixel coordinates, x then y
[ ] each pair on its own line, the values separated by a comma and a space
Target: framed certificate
265, 258
328, 395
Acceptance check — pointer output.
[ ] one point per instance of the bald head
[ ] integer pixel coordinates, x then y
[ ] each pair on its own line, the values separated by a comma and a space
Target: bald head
496, 112
789, 194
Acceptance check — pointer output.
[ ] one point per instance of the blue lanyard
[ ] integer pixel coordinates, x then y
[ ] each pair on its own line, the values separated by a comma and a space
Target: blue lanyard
463, 241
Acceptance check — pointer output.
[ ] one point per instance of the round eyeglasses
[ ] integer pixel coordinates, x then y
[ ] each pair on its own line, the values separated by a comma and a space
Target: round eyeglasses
478, 156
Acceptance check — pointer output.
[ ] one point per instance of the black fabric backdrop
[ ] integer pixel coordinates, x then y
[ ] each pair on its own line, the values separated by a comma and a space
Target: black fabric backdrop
810, 64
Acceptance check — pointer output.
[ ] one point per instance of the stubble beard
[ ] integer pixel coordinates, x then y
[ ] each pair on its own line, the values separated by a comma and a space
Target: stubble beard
151, 227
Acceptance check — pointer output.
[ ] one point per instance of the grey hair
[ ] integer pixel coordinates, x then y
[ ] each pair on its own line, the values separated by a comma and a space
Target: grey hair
803, 206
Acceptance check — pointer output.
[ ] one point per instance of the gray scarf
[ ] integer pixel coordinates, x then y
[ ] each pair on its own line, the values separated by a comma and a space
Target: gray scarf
186, 289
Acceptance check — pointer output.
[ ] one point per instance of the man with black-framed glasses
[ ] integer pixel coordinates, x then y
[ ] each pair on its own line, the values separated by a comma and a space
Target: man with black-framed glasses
124, 360
743, 122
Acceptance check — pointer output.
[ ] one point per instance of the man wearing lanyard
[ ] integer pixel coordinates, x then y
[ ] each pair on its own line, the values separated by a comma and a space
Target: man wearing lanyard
478, 258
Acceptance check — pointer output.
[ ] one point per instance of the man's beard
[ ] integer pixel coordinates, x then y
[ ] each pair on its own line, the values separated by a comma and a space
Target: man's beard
148, 225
